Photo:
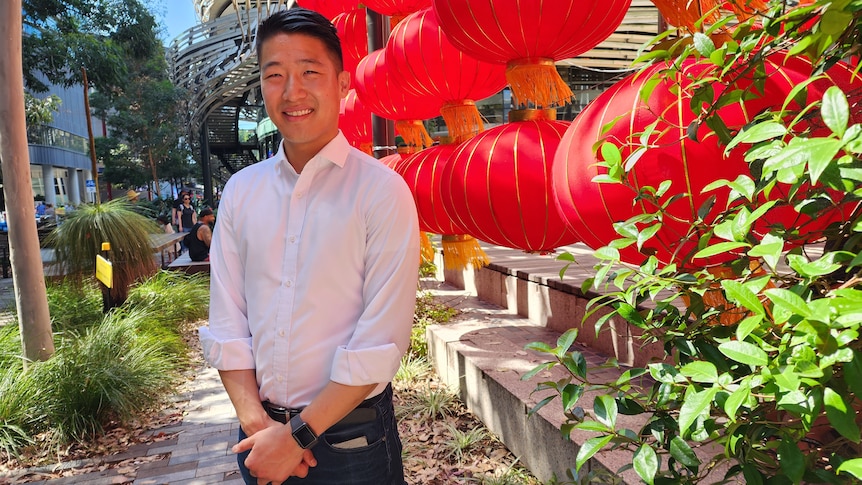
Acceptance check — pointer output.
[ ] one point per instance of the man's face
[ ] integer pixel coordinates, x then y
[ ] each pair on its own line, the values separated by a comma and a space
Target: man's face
302, 90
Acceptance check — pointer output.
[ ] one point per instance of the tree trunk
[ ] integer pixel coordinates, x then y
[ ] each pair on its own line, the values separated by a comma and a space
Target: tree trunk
25, 255
155, 177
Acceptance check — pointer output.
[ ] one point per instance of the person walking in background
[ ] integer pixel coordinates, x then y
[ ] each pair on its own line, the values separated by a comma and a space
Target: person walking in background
176, 210
187, 216
199, 238
320, 222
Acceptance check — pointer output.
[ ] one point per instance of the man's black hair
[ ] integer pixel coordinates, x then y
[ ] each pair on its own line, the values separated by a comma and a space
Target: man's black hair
300, 20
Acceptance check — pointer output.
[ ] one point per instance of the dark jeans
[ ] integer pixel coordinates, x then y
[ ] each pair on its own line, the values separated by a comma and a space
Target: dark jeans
378, 463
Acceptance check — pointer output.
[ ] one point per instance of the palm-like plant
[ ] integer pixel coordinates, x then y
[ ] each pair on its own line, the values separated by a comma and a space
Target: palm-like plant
79, 239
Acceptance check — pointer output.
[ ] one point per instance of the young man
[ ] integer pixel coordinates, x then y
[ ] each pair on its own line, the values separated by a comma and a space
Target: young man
199, 239
314, 269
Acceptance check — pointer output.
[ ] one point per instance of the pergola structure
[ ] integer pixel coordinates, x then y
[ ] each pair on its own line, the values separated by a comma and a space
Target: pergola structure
215, 61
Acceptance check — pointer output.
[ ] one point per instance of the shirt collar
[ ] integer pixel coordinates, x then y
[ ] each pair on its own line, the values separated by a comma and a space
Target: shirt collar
335, 151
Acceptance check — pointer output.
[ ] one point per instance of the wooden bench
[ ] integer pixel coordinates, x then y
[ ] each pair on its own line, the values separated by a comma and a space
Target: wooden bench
184, 263
167, 246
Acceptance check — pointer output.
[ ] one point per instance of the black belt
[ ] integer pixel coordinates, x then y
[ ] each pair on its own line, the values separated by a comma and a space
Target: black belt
361, 414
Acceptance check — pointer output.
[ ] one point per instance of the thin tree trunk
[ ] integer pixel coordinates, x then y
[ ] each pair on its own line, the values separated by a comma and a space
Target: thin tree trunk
25, 255
155, 177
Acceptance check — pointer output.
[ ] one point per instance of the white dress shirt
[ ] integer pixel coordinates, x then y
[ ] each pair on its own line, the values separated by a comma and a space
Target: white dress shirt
313, 275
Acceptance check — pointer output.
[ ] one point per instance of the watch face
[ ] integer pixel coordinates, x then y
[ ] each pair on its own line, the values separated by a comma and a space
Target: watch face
302, 433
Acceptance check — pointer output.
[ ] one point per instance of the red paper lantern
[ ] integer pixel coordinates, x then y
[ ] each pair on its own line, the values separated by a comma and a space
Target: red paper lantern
529, 37
353, 33
329, 8
423, 172
426, 63
591, 208
497, 185
377, 90
355, 122
397, 9
392, 161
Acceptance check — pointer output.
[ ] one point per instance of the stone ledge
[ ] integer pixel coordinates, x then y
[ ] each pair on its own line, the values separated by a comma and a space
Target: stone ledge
481, 355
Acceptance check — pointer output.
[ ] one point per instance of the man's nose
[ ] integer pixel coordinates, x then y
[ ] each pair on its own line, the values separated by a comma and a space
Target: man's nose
294, 89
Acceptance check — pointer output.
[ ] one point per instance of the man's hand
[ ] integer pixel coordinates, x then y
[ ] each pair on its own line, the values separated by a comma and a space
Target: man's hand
275, 455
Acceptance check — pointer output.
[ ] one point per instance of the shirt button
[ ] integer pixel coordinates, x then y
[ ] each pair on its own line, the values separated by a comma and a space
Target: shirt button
292, 239
279, 378
299, 195
288, 283
281, 332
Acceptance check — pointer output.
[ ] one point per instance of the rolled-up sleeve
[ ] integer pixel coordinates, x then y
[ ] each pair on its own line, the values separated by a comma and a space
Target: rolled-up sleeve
382, 333
226, 341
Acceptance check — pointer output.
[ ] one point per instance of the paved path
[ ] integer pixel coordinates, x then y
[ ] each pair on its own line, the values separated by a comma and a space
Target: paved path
198, 454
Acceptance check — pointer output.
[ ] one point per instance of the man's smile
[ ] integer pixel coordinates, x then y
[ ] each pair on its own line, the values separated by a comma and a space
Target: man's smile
302, 112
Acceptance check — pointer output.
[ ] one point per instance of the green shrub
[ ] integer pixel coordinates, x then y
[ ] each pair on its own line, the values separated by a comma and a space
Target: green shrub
175, 297
773, 394
74, 307
428, 312
113, 371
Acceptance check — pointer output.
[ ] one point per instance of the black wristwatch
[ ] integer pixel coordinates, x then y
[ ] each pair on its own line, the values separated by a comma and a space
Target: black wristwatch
302, 433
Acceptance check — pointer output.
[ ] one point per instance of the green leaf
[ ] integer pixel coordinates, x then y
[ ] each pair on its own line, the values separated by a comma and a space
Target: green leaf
605, 409
539, 405
853, 467
744, 352
741, 295
769, 249
645, 463
535, 370
630, 313
700, 371
683, 453
737, 398
747, 325
799, 151
695, 405
570, 395
791, 459
719, 248
593, 426
565, 341
590, 448
607, 253
841, 415
820, 267
576, 364
647, 233
821, 156
853, 374
835, 110
757, 133
703, 44
789, 300
611, 154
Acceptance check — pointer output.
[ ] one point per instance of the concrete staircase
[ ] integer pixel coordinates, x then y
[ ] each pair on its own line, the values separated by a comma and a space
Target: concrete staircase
518, 299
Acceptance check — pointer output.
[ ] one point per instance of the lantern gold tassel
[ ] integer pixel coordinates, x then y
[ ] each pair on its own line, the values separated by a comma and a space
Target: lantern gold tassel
426, 250
366, 148
460, 250
463, 120
414, 133
537, 81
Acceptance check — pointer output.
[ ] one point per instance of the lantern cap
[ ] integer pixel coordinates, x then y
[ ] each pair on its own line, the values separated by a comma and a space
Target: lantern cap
532, 115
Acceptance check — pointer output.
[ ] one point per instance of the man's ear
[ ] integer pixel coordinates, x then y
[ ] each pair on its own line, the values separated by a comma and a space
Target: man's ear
343, 83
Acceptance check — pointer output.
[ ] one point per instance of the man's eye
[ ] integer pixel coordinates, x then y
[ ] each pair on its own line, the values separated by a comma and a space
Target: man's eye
272, 75
311, 72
